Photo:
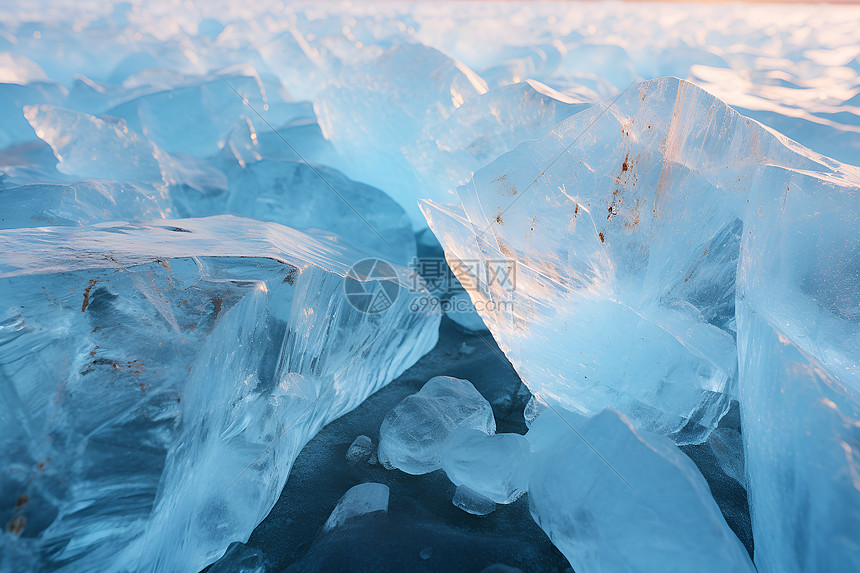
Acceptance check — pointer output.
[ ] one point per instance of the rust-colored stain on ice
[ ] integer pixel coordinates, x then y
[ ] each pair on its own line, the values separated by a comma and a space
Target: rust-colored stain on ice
87, 295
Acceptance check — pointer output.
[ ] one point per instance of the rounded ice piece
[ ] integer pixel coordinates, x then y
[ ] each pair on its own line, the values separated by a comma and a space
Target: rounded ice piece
533, 409
494, 466
412, 434
358, 500
473, 502
360, 450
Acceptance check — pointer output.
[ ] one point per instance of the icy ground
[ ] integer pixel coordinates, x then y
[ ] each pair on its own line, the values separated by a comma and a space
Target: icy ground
208, 222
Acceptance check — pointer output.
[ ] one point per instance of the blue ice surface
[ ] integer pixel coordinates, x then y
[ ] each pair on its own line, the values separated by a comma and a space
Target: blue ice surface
161, 172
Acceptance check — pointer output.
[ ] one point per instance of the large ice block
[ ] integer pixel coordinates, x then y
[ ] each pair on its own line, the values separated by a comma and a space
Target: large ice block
624, 226
614, 499
799, 353
373, 113
99, 147
104, 147
157, 381
157, 183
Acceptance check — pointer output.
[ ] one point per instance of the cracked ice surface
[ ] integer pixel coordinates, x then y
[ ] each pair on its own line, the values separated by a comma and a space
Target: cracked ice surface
202, 354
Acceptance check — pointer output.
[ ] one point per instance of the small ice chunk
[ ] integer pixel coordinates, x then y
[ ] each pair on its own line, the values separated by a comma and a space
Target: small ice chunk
495, 466
359, 500
360, 451
412, 434
728, 447
473, 502
614, 499
460, 309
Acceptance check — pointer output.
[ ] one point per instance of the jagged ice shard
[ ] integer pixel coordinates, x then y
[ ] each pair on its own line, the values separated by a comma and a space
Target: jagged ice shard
203, 353
632, 227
